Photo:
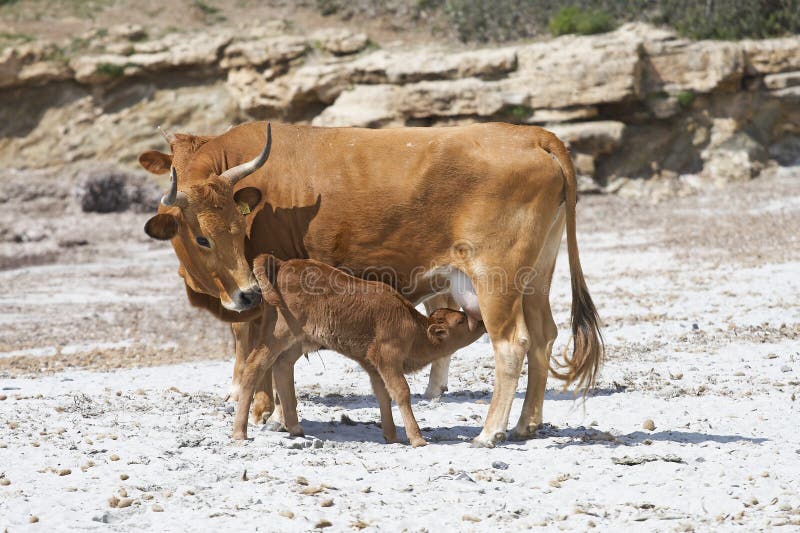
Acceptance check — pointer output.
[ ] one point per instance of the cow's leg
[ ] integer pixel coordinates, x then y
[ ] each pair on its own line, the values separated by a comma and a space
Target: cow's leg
437, 382
543, 332
284, 384
542, 327
504, 319
275, 421
384, 403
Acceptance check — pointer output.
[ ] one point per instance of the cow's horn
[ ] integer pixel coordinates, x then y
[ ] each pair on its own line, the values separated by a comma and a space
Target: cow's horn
233, 175
172, 195
167, 136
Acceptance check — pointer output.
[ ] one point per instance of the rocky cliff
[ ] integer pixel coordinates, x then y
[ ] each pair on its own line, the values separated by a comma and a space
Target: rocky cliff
635, 103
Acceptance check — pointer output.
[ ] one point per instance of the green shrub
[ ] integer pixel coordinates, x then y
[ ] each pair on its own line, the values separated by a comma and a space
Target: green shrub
731, 19
575, 20
110, 69
685, 98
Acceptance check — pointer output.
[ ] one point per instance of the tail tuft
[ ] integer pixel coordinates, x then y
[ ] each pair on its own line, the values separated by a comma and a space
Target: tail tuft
588, 349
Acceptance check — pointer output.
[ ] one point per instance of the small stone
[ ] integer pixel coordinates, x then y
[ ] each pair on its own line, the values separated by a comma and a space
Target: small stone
114, 457
113, 502
33, 519
470, 518
64, 472
649, 425
286, 514
157, 508
302, 481
244, 475
124, 502
328, 502
3, 397
786, 368
500, 465
122, 493
5, 482
323, 524
123, 477
481, 401
147, 496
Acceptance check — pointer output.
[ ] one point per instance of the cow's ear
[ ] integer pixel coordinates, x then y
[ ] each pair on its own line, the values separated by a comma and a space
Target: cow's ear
155, 162
162, 227
249, 196
437, 333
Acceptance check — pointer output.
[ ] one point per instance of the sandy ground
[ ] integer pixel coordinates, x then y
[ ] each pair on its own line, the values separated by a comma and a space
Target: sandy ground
112, 388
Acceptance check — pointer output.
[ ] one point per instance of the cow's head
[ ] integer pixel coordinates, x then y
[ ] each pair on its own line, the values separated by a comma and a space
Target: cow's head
206, 225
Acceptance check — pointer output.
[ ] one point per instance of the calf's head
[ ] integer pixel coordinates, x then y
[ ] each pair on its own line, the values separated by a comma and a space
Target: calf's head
205, 224
452, 329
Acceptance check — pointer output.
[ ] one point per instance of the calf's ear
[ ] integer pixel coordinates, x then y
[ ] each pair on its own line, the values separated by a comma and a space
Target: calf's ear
155, 162
162, 227
437, 332
249, 196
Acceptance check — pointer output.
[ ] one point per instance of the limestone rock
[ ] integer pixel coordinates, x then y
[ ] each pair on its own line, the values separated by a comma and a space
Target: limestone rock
340, 41
364, 105
594, 138
771, 56
564, 72
260, 52
409, 67
697, 66
31, 64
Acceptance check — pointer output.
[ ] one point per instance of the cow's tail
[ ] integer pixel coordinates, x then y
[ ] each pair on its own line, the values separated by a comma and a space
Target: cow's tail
265, 268
587, 342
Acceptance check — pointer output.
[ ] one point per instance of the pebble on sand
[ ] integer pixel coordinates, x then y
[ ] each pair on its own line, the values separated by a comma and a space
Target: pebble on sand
124, 477
124, 502
5, 482
323, 523
3, 397
287, 514
33, 519
157, 508
64, 472
649, 425
114, 457
328, 502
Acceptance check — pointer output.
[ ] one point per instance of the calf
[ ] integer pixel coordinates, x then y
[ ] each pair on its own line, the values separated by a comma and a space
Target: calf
312, 306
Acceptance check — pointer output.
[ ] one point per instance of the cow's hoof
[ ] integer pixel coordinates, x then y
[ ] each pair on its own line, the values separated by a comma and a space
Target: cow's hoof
390, 439
275, 425
418, 442
240, 435
482, 441
523, 434
297, 431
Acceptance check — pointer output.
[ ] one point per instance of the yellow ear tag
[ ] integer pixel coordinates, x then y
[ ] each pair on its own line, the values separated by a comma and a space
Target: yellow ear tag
244, 208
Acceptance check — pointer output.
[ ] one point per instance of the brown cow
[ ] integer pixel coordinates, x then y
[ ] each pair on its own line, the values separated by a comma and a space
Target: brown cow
320, 307
482, 207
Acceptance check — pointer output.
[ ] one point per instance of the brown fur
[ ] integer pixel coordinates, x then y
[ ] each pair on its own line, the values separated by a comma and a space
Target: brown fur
321, 307
402, 200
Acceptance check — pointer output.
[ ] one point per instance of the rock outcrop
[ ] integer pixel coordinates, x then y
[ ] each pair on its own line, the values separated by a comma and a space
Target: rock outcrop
635, 103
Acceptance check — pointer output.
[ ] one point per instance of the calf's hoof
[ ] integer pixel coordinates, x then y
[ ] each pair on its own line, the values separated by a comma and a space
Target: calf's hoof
297, 431
390, 439
261, 417
482, 441
435, 391
239, 434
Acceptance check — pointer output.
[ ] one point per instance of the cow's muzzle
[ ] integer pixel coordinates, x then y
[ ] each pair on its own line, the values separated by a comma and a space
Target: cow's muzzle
246, 299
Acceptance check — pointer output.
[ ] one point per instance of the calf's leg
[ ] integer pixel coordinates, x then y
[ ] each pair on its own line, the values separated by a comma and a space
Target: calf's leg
396, 383
384, 404
283, 370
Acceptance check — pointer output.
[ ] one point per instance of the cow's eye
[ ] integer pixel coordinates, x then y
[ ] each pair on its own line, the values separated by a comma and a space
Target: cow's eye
202, 241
